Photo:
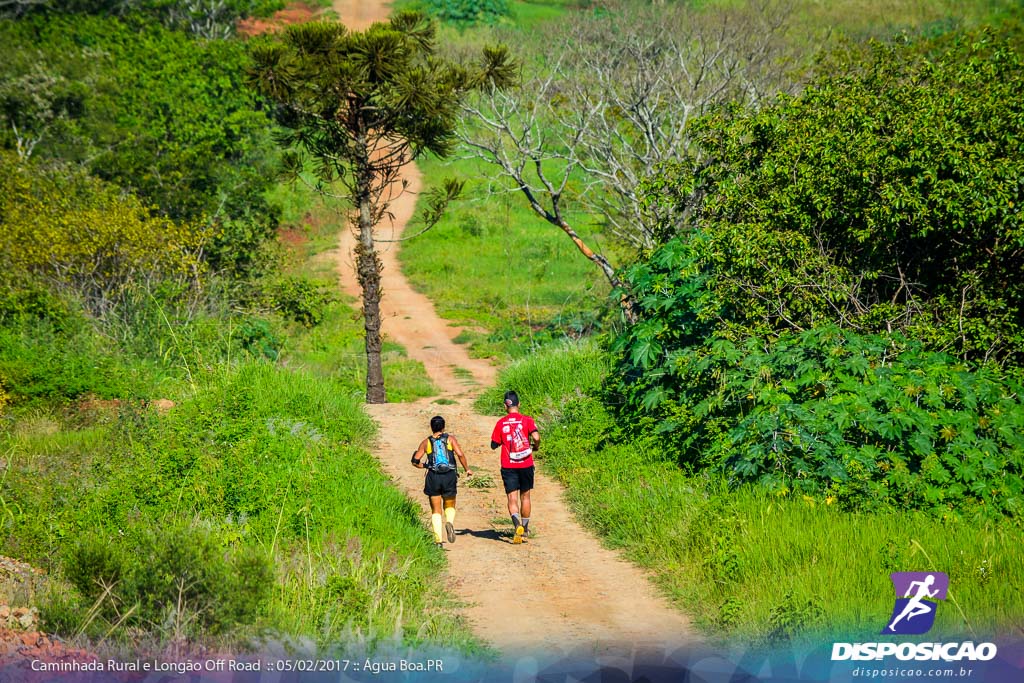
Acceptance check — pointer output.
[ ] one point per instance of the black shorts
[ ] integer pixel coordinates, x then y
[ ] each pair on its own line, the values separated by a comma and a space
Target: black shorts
517, 478
438, 484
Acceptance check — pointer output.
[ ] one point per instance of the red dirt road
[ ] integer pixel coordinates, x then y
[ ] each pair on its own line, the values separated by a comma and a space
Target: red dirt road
359, 14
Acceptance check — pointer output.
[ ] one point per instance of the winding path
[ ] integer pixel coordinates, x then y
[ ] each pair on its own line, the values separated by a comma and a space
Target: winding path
562, 591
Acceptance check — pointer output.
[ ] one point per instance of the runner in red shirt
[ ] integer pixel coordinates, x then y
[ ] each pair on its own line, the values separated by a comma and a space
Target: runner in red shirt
517, 436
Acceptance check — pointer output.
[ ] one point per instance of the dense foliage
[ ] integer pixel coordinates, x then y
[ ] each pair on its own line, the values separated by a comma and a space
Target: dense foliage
886, 196
464, 12
149, 110
873, 420
205, 18
831, 321
85, 237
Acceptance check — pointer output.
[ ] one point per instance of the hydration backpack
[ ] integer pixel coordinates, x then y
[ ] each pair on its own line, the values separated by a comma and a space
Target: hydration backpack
440, 457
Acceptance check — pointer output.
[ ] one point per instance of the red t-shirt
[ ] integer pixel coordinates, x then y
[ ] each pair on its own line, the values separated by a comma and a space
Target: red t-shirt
513, 433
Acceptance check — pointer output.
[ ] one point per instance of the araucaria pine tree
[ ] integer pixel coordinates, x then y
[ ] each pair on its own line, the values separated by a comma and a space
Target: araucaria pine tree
362, 105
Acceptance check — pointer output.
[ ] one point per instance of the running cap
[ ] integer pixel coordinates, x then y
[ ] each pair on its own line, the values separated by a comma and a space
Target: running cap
511, 399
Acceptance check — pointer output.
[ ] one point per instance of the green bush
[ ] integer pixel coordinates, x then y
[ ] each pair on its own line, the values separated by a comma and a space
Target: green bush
466, 12
40, 362
876, 420
88, 238
150, 110
24, 299
885, 196
170, 574
257, 337
299, 299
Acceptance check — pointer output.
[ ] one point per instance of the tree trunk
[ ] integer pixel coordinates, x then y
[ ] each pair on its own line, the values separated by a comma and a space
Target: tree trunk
554, 217
625, 300
368, 269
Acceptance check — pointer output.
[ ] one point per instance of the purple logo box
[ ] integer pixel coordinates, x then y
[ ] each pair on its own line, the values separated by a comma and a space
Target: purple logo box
901, 582
917, 596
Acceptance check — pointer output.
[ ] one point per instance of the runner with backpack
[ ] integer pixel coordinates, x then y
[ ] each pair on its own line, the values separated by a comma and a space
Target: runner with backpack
437, 454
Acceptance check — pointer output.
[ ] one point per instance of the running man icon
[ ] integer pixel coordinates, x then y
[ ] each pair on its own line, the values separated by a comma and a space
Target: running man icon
916, 609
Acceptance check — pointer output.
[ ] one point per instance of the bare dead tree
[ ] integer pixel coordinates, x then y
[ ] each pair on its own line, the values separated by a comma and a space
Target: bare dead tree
607, 97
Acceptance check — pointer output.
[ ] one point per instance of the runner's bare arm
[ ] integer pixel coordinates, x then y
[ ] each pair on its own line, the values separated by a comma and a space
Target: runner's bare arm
417, 457
535, 439
458, 452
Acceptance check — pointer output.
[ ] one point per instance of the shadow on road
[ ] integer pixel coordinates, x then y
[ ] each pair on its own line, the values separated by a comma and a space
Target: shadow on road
488, 534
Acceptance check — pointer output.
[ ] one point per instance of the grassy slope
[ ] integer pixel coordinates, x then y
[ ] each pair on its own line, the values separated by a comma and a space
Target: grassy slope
269, 457
262, 457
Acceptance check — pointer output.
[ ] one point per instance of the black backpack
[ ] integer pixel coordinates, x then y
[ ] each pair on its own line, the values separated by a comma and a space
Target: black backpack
440, 457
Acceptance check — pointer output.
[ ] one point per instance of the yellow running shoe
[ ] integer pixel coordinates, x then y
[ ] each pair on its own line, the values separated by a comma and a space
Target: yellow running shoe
520, 531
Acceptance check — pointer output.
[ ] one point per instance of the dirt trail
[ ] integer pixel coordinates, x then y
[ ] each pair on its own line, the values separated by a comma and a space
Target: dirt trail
359, 14
562, 591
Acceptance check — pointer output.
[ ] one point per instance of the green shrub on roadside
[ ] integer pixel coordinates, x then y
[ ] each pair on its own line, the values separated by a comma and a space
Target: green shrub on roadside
39, 363
877, 420
169, 576
299, 299
25, 299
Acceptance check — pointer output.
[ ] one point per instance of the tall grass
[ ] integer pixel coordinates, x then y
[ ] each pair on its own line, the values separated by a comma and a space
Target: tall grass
547, 377
748, 565
260, 459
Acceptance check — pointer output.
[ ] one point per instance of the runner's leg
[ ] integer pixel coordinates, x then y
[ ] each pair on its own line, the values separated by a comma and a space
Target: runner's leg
435, 518
513, 505
524, 507
449, 516
517, 521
